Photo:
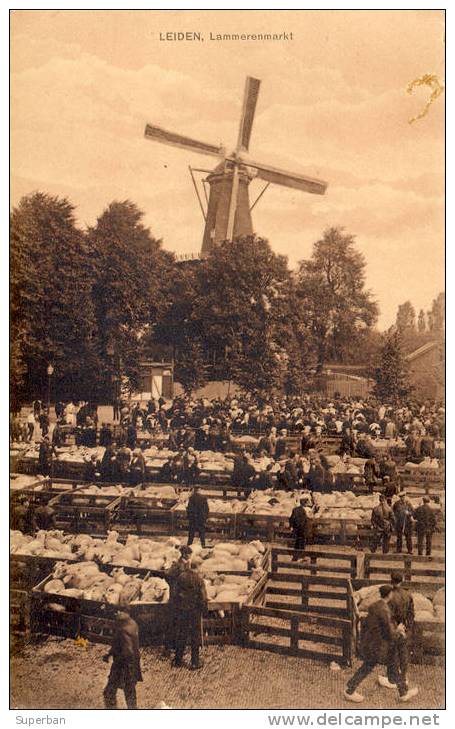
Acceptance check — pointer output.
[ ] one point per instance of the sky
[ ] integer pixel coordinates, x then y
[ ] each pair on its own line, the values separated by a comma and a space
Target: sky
332, 103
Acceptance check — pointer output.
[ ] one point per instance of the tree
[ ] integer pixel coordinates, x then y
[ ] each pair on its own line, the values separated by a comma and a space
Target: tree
190, 368
438, 313
246, 313
405, 321
337, 306
392, 374
52, 316
421, 322
129, 269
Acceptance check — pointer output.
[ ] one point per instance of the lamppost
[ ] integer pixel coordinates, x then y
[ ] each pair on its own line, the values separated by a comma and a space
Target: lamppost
112, 352
50, 372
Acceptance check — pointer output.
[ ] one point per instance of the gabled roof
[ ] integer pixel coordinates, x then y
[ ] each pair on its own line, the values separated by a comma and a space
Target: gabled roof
428, 347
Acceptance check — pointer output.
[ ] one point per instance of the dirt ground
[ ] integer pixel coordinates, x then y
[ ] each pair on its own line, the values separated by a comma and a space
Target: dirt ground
58, 674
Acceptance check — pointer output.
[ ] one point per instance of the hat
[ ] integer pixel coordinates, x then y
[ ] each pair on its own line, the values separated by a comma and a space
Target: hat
402, 493
426, 499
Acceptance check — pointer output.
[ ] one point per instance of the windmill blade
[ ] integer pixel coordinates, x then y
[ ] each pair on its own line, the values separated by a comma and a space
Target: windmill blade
157, 134
250, 98
288, 179
233, 203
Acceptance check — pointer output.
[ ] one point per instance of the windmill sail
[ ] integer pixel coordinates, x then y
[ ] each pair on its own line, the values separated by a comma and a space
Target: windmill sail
288, 179
157, 134
250, 98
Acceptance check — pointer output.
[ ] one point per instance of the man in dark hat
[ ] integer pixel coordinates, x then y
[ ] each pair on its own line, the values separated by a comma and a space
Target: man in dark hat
298, 523
171, 575
46, 451
190, 603
197, 512
382, 523
425, 526
401, 607
378, 635
403, 512
126, 666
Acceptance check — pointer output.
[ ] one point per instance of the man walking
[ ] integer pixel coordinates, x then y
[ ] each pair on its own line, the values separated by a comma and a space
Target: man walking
171, 575
403, 513
378, 634
425, 526
401, 607
197, 512
298, 523
126, 667
382, 522
190, 603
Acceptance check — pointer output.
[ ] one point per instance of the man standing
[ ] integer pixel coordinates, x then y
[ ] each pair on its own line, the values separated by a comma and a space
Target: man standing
46, 450
197, 512
382, 522
171, 575
190, 603
403, 512
425, 526
45, 517
377, 636
298, 523
371, 473
126, 666
401, 607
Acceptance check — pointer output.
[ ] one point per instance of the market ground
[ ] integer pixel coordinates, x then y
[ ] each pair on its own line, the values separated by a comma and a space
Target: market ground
58, 674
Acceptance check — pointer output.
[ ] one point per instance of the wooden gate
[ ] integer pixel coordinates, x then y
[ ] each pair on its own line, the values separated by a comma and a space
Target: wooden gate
298, 634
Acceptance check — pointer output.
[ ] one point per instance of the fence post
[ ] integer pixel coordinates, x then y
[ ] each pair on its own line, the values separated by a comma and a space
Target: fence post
274, 560
294, 635
366, 566
408, 568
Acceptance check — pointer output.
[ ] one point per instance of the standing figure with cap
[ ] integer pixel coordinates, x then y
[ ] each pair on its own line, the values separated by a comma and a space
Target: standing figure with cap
377, 638
298, 523
190, 603
126, 665
382, 523
403, 512
171, 575
401, 607
425, 526
197, 512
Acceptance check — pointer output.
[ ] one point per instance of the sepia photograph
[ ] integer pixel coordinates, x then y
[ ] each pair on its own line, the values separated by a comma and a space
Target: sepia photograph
227, 361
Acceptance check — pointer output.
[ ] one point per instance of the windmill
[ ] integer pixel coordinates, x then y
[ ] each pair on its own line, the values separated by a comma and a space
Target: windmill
228, 206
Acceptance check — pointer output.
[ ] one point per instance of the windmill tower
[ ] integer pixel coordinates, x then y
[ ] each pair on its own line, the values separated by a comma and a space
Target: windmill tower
228, 212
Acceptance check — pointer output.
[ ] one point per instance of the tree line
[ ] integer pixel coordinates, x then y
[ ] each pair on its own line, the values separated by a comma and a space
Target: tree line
94, 302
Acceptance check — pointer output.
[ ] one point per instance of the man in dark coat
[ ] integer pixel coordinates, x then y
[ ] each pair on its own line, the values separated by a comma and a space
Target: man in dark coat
22, 516
126, 666
107, 466
171, 575
243, 473
45, 517
382, 522
105, 435
403, 512
46, 450
401, 607
264, 480
298, 523
371, 473
197, 512
377, 635
425, 526
190, 603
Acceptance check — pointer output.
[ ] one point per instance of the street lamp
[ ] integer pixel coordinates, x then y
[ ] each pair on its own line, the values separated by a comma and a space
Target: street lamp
50, 372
